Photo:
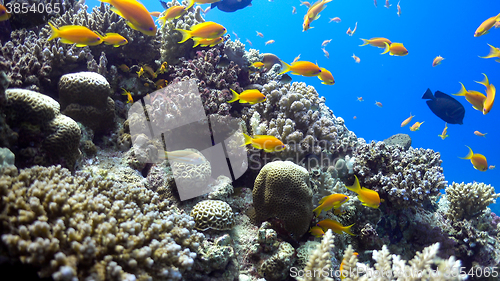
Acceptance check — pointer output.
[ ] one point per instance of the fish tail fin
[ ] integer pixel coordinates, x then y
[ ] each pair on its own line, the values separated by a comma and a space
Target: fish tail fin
55, 32
494, 52
197, 42
162, 20
347, 230
248, 139
286, 67
387, 48
469, 155
105, 1
236, 96
318, 210
428, 95
485, 81
191, 3
186, 34
462, 91
365, 42
355, 187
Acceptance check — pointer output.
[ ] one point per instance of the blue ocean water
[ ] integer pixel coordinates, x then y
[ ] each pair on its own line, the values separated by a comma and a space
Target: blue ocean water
427, 29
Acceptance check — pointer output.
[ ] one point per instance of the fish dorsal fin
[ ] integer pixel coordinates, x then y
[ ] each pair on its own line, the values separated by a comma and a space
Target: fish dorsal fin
323, 199
428, 95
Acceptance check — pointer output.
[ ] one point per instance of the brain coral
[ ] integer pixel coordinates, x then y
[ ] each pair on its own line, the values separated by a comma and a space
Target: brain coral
214, 214
281, 191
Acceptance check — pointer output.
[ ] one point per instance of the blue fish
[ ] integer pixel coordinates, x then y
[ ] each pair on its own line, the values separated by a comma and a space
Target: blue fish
231, 5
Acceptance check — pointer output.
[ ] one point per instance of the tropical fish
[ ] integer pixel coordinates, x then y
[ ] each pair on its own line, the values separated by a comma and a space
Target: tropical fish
268, 143
249, 42
395, 49
490, 95
269, 42
137, 16
486, 25
437, 61
326, 76
354, 117
445, 107
317, 231
269, 60
163, 68
478, 160
313, 13
416, 126
174, 12
473, 97
327, 55
75, 34
326, 42
360, 99
445, 130
477, 133
4, 15
407, 120
294, 10
207, 42
235, 35
231, 5
123, 67
155, 14
375, 3
343, 274
399, 9
494, 53
260, 34
147, 69
252, 96
305, 3
296, 58
379, 104
497, 24
335, 226
387, 5
114, 39
368, 197
129, 96
356, 58
160, 83
376, 41
258, 64
185, 156
208, 29
304, 68
331, 201
140, 72
335, 19
491, 167
351, 32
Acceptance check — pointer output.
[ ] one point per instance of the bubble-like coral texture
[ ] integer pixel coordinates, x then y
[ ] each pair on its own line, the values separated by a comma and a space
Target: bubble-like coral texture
213, 214
469, 200
282, 192
410, 177
91, 228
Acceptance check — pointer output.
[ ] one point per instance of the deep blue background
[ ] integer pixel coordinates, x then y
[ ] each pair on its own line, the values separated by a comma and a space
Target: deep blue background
427, 29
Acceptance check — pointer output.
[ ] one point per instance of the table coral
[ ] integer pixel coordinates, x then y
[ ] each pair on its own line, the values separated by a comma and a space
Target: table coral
90, 228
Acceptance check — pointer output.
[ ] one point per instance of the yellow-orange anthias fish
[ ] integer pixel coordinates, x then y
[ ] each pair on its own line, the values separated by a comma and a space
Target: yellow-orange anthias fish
368, 197
445, 130
335, 19
477, 133
379, 104
313, 13
71, 34
494, 53
478, 160
490, 95
155, 14
331, 201
317, 231
326, 76
268, 143
395, 49
416, 126
269, 42
252, 96
4, 15
356, 58
486, 25
129, 96
407, 120
173, 12
208, 29
258, 64
304, 68
205, 42
376, 41
335, 226
473, 97
137, 16
343, 274
437, 61
114, 39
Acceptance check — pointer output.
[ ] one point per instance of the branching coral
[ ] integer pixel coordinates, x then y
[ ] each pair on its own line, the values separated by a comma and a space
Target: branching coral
469, 200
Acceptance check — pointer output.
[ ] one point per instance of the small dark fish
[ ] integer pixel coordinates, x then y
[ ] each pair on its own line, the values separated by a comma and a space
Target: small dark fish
164, 5
270, 60
285, 79
223, 62
445, 107
231, 5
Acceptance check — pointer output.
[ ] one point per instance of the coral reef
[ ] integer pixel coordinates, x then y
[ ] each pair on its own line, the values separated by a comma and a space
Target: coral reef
320, 260
466, 201
282, 192
84, 227
403, 178
213, 214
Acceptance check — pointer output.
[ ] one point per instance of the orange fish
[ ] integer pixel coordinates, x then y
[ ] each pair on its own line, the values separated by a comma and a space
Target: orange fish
327, 55
490, 95
473, 97
172, 13
486, 25
305, 3
269, 42
268, 143
294, 10
335, 226
149, 71
335, 19
317, 231
477, 133
379, 104
71, 34
208, 29
160, 83
304, 68
351, 32
114, 39
437, 61
445, 130
313, 13
354, 117
368, 197
258, 64
137, 16
399, 9
491, 167
494, 53
129, 96
249, 42
163, 68
387, 5
356, 58
252, 96
395, 49
206, 42
124, 68
296, 58
260, 34
416, 126
236, 35
331, 201
377, 42
326, 76
360, 99
155, 14
326, 42
4, 15
407, 120
343, 274
478, 160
